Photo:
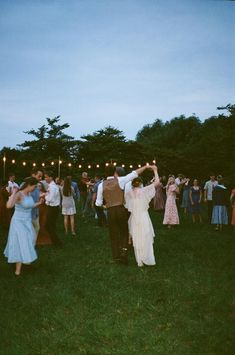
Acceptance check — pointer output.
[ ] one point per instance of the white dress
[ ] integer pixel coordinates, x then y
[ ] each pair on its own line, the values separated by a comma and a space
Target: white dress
68, 204
140, 225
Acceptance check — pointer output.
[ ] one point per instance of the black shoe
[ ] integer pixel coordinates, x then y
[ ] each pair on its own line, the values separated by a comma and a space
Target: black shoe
124, 256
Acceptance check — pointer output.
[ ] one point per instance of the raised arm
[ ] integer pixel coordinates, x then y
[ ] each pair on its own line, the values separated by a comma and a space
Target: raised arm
14, 197
156, 179
141, 170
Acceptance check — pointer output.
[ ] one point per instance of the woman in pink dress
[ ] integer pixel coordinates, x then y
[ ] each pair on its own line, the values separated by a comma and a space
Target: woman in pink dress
232, 199
171, 216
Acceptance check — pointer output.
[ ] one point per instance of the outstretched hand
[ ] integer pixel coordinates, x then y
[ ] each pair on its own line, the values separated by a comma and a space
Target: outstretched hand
153, 167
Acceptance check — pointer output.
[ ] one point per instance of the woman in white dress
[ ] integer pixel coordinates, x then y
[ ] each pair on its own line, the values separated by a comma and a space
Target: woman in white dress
68, 205
140, 225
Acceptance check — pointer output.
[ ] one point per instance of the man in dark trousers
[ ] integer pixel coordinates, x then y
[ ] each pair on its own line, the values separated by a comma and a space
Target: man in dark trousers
53, 207
111, 192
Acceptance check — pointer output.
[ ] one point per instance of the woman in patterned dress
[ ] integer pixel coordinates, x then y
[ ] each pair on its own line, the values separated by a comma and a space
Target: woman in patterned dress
171, 216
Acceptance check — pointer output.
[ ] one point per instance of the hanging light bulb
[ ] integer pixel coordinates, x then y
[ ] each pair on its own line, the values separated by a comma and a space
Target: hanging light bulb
43, 164
147, 164
34, 164
89, 166
24, 163
60, 161
107, 164
4, 159
154, 161
139, 165
123, 165
114, 163
13, 161
69, 165
131, 166
97, 165
79, 166
52, 163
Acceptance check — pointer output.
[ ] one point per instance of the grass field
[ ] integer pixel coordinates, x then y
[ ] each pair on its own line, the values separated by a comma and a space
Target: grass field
74, 301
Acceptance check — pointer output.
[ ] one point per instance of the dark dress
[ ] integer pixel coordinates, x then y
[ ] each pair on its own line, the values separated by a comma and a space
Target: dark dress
43, 235
5, 213
196, 207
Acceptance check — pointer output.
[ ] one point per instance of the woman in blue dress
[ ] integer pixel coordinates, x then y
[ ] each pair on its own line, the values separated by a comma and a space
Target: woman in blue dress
20, 248
220, 198
185, 200
195, 195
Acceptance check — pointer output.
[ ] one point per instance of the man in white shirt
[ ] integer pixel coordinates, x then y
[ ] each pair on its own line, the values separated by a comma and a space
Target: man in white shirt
11, 183
208, 190
52, 200
111, 193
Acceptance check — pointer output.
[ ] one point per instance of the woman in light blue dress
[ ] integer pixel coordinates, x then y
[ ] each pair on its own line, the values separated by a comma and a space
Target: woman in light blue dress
20, 248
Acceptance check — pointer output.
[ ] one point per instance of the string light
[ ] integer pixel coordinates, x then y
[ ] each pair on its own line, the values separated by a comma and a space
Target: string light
24, 163
154, 161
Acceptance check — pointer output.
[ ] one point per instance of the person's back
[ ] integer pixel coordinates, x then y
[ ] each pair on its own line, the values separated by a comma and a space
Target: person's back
220, 196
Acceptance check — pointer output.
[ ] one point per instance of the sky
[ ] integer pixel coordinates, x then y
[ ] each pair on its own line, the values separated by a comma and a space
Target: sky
122, 63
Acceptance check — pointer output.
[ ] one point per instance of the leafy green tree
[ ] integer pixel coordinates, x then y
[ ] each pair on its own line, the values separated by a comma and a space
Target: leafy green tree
104, 145
50, 142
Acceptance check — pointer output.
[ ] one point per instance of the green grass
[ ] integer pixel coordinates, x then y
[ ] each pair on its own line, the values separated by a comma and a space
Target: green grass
74, 301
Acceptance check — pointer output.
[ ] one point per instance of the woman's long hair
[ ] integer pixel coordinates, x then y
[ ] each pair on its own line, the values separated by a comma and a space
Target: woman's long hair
30, 181
67, 188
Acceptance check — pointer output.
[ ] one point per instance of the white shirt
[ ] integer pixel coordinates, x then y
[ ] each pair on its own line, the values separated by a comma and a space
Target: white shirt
209, 186
178, 181
122, 181
11, 185
53, 195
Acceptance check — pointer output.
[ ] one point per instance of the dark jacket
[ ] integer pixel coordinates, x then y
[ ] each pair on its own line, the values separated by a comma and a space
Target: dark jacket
220, 196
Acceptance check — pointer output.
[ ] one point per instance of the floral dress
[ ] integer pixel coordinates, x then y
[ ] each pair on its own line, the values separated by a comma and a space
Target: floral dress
171, 213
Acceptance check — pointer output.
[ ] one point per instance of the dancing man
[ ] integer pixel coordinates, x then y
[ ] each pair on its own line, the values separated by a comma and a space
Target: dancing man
111, 194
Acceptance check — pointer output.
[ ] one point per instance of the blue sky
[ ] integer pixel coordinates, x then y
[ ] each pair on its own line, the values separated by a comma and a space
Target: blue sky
106, 62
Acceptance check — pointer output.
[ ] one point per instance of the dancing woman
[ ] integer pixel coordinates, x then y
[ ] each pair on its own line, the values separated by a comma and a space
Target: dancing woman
20, 248
171, 216
140, 225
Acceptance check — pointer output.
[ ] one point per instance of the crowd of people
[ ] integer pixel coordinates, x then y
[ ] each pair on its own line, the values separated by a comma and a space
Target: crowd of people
120, 202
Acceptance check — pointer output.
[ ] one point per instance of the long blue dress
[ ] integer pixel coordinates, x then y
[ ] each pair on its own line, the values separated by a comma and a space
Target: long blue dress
21, 237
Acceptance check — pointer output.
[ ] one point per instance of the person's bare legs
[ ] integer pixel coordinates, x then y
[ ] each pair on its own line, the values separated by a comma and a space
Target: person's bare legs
18, 268
66, 224
72, 224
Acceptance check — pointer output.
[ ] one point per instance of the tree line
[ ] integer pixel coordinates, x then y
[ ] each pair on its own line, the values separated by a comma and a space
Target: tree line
181, 145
